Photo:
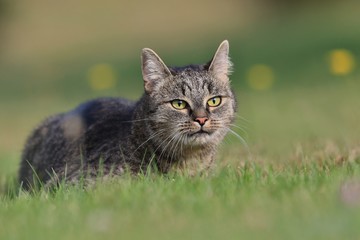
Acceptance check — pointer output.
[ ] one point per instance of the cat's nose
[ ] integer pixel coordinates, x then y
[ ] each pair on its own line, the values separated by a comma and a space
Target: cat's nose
201, 120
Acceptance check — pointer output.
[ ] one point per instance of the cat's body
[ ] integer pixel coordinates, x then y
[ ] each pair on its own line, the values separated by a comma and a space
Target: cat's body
176, 125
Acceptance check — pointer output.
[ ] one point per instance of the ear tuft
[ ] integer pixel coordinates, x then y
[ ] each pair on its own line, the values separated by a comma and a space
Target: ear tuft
221, 65
153, 69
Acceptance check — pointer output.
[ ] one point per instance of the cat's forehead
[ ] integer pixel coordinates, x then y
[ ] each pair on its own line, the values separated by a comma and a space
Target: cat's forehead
198, 82
193, 84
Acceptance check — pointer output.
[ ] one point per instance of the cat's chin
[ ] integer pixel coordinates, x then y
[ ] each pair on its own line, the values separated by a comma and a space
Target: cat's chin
200, 138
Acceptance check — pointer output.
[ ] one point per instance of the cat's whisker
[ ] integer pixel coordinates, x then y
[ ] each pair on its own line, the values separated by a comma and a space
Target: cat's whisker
242, 118
221, 122
137, 120
240, 128
172, 143
162, 142
182, 143
164, 150
147, 140
179, 140
242, 140
243, 126
224, 142
172, 136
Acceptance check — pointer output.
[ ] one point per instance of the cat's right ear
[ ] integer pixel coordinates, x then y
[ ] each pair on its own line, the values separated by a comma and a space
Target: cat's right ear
153, 69
221, 65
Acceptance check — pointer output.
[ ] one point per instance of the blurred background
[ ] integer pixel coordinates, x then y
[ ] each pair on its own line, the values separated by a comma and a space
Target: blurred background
296, 74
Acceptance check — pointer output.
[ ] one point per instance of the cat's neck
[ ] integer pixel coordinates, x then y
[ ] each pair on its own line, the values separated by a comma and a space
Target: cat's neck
190, 161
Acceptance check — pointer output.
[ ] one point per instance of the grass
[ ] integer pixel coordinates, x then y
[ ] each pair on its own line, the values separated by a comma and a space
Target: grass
257, 201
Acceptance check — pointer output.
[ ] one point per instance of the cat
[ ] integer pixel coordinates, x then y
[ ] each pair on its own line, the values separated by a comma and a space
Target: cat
177, 125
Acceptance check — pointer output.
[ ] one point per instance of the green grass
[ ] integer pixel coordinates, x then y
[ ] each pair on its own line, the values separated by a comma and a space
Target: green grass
262, 201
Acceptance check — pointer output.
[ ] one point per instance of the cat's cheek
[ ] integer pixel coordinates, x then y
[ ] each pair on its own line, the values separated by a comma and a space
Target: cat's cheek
223, 111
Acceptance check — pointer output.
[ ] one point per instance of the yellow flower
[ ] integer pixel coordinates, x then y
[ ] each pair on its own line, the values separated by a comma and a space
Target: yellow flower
101, 77
342, 62
260, 77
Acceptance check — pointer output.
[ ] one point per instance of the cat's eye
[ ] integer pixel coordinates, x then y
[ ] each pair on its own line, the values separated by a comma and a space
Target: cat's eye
179, 104
214, 101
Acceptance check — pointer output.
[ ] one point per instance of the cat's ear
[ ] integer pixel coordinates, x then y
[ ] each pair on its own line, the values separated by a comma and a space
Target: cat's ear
221, 65
153, 69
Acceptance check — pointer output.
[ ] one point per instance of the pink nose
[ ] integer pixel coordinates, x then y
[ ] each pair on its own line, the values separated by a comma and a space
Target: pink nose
201, 120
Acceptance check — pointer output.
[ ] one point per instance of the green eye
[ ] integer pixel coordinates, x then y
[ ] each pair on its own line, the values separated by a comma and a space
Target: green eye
214, 102
178, 104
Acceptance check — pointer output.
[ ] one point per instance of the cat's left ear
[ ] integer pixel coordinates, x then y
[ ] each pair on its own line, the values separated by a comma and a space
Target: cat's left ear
153, 69
221, 65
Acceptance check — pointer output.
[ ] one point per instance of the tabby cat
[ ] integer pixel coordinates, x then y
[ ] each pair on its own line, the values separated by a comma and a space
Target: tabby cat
177, 125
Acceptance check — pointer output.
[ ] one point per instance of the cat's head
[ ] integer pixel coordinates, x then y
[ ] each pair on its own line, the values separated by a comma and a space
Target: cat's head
191, 105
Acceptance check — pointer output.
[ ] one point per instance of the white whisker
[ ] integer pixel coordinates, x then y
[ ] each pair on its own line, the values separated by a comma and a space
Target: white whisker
242, 140
151, 137
136, 120
165, 148
240, 128
161, 144
242, 118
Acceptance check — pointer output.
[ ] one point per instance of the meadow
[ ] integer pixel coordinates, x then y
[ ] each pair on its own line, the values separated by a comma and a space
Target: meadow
296, 175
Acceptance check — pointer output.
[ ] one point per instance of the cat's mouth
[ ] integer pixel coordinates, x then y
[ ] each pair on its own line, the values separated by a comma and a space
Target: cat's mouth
200, 133
199, 137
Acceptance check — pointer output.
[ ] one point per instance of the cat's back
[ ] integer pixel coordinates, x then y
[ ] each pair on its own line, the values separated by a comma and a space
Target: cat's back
104, 120
57, 140
102, 116
103, 109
